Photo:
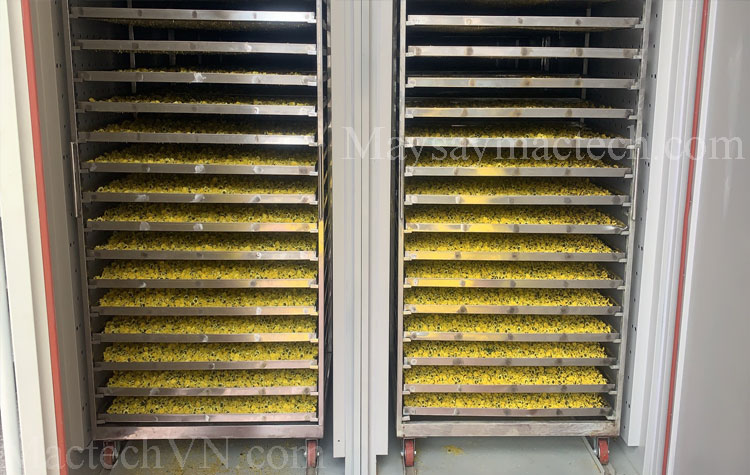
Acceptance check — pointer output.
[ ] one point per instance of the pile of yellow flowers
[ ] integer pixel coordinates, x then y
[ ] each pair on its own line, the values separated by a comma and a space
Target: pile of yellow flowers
505, 400
213, 379
522, 297
208, 298
575, 243
507, 270
523, 375
164, 124
205, 352
527, 130
490, 349
213, 405
208, 184
209, 270
429, 322
215, 325
504, 186
488, 214
167, 97
500, 158
504, 103
222, 213
210, 154
150, 241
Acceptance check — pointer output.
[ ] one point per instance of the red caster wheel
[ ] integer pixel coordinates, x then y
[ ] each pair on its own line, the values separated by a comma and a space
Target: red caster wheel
109, 455
311, 453
409, 453
602, 450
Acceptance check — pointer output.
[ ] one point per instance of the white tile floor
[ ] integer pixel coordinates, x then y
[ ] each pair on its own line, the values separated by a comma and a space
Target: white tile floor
507, 456
491, 456
436, 456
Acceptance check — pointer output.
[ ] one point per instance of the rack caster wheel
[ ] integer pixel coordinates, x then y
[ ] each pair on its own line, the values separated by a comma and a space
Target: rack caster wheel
311, 454
409, 453
602, 450
109, 455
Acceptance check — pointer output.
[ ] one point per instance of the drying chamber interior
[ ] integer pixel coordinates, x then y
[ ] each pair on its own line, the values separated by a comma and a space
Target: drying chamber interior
198, 143
201, 184
519, 126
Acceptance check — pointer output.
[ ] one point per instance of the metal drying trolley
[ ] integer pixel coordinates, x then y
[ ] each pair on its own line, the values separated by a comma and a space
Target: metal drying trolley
242, 93
510, 78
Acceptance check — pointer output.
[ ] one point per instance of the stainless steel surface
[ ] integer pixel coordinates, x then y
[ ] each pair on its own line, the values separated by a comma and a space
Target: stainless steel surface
193, 47
514, 200
510, 309
522, 52
511, 142
102, 62
514, 228
188, 108
604, 172
523, 22
192, 15
448, 361
207, 431
449, 48
513, 283
274, 198
199, 77
239, 139
205, 255
202, 338
207, 227
482, 412
202, 284
507, 388
519, 82
199, 169
206, 365
206, 418
567, 428
190, 311
518, 112
529, 337
259, 391
513, 256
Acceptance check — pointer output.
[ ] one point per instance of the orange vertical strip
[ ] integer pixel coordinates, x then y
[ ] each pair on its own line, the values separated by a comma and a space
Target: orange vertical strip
685, 234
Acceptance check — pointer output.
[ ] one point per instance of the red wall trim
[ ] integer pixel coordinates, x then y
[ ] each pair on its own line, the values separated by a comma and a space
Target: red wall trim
685, 234
44, 231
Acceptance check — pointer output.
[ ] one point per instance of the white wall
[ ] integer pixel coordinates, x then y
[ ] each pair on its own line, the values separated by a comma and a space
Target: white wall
712, 409
23, 253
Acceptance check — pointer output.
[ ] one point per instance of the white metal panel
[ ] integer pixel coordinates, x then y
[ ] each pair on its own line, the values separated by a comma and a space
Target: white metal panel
361, 89
346, 91
23, 254
10, 437
670, 102
379, 70
711, 429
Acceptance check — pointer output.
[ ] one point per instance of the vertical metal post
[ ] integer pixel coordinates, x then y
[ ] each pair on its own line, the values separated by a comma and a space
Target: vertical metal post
401, 218
322, 199
636, 158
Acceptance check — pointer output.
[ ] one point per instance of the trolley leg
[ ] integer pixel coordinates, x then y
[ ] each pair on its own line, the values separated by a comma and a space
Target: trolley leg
312, 452
110, 452
602, 449
409, 453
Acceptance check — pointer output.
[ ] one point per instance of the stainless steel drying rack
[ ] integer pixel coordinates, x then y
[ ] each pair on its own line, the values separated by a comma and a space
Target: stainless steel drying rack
106, 48
449, 52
